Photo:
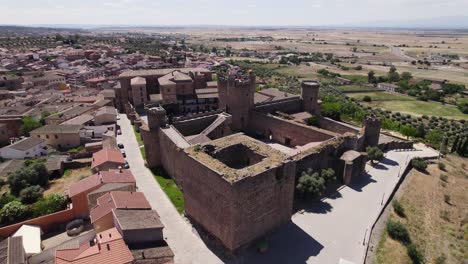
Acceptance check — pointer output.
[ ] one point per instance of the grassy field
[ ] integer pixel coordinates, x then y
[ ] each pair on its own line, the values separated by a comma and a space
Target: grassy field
170, 188
435, 215
409, 105
165, 181
69, 177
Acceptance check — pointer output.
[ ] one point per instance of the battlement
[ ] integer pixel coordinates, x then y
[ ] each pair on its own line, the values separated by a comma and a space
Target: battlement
156, 117
236, 80
372, 121
310, 84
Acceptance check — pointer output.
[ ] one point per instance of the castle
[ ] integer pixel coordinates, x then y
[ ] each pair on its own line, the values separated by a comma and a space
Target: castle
238, 165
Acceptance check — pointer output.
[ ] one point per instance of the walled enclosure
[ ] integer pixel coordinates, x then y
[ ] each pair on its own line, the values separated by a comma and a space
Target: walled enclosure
237, 188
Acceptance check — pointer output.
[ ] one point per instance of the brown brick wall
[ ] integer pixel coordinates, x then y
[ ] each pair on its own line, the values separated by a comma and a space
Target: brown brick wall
286, 106
282, 129
47, 223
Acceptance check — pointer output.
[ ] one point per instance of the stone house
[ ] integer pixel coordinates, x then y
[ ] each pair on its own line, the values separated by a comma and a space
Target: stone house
59, 136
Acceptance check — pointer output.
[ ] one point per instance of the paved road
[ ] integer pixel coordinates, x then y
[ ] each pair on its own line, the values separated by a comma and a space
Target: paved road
187, 246
400, 53
336, 228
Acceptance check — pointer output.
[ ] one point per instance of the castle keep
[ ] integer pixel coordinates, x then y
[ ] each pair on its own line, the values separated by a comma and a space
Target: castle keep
238, 164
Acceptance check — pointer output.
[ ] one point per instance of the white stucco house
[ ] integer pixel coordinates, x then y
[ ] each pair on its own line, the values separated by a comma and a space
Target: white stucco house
26, 148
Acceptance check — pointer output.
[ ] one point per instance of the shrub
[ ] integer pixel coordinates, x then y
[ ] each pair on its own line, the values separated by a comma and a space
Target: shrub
367, 99
14, 212
399, 210
447, 198
31, 194
50, 204
441, 259
313, 121
441, 166
419, 164
415, 255
444, 178
398, 231
444, 214
33, 173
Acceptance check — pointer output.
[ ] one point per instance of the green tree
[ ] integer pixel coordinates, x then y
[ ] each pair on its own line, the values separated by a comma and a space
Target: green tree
374, 154
311, 184
434, 137
14, 212
50, 204
328, 175
31, 194
421, 131
29, 124
393, 75
371, 77
408, 131
34, 173
331, 110
44, 115
406, 76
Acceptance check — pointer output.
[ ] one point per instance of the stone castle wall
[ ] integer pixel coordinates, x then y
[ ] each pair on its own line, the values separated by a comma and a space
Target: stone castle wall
281, 129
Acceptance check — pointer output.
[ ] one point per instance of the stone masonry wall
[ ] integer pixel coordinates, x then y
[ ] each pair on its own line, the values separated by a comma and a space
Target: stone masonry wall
281, 129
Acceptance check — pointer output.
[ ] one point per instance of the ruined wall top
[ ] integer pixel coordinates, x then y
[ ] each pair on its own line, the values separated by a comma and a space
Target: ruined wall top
236, 78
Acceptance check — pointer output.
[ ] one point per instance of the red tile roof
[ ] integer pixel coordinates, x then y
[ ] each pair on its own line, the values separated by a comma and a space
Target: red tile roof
110, 248
107, 155
118, 200
94, 181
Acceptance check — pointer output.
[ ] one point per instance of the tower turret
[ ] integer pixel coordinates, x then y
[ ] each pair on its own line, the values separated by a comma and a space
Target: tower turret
309, 95
156, 117
371, 130
236, 97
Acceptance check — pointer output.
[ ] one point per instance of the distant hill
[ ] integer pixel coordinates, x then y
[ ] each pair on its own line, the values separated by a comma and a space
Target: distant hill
12, 30
448, 22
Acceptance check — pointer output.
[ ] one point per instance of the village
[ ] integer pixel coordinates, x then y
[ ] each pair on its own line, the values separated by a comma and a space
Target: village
145, 148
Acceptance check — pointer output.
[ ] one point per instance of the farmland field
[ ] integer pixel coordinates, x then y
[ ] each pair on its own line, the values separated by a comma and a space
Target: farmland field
408, 105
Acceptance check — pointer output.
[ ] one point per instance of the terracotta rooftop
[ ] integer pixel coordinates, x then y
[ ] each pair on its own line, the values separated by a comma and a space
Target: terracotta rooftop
159, 72
110, 248
107, 155
111, 176
118, 200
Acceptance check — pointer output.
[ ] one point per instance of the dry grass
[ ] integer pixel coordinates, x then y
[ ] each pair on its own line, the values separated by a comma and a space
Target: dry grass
436, 227
69, 177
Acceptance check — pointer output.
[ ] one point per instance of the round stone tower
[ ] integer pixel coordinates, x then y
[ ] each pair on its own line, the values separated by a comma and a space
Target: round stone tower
236, 97
309, 95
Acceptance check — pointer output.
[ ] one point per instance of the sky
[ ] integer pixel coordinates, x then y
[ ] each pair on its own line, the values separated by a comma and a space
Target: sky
223, 12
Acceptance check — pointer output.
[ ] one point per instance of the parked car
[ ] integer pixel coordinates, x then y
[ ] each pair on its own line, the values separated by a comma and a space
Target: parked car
126, 165
119, 132
123, 153
120, 145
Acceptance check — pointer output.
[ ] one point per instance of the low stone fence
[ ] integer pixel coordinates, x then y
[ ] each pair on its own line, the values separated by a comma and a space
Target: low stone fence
47, 223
